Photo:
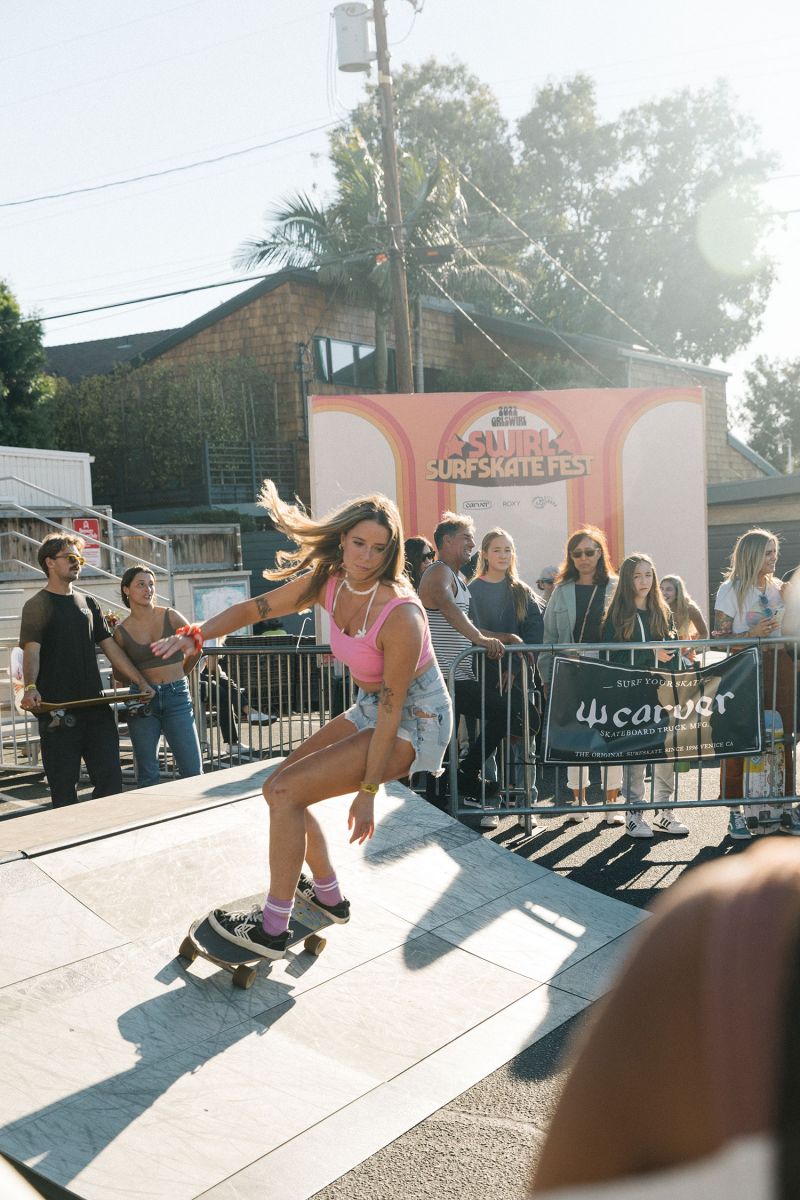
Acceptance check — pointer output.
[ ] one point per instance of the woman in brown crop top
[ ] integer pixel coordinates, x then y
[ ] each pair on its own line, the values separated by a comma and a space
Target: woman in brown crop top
171, 712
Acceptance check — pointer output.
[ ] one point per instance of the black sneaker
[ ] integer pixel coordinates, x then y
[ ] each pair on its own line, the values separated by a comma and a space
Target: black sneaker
338, 913
476, 786
246, 930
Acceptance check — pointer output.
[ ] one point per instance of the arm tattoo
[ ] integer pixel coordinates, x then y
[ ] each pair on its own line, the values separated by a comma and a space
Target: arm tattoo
385, 697
722, 622
262, 604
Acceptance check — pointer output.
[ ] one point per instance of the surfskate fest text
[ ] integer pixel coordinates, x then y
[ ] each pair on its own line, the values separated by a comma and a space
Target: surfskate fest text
508, 450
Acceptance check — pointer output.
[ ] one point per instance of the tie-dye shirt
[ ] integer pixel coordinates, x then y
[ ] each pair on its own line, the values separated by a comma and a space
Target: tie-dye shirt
756, 605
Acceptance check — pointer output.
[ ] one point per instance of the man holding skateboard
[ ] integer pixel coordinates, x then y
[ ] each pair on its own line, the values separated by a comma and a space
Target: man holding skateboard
60, 633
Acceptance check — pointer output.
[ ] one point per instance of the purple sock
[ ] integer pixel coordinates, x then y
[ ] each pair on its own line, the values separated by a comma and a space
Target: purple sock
328, 890
275, 918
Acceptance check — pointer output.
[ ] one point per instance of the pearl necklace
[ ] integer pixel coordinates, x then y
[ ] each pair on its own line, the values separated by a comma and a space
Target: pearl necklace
354, 591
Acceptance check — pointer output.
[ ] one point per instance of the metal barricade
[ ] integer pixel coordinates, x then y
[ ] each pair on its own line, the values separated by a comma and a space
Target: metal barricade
519, 789
264, 702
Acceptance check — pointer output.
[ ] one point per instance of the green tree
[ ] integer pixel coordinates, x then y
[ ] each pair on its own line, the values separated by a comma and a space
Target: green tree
657, 213
146, 427
442, 109
348, 240
24, 387
771, 409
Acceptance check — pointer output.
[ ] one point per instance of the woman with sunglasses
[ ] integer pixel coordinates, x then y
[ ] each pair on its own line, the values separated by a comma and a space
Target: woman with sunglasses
750, 604
419, 556
584, 587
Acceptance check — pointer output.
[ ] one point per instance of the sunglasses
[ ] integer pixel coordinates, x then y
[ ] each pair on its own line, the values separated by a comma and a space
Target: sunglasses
765, 604
545, 582
584, 553
73, 559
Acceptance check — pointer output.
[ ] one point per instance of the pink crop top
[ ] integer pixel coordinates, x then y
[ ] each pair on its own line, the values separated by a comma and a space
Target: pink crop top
361, 654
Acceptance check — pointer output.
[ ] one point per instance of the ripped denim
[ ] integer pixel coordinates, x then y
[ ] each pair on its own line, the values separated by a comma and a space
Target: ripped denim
426, 720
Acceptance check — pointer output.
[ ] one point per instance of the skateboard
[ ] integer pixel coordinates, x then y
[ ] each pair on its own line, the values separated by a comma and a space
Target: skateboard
764, 777
63, 712
202, 941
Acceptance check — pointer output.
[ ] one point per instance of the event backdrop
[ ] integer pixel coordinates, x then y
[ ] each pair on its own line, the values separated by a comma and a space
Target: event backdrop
538, 464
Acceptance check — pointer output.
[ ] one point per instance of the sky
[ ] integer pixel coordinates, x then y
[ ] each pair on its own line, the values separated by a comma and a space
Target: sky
95, 92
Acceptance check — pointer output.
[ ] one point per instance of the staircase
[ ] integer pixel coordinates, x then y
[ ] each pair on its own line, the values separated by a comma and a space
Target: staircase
21, 577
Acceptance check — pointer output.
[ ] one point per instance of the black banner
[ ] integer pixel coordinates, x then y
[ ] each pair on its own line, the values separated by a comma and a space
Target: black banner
599, 712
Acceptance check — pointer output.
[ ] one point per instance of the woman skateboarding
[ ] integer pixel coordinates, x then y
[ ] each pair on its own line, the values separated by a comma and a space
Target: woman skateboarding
351, 563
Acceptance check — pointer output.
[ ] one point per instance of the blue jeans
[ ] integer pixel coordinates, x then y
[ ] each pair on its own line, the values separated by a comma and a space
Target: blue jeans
171, 713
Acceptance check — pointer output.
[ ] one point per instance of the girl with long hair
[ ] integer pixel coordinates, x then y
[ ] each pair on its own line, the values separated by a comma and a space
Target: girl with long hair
419, 555
507, 608
689, 621
750, 604
638, 613
170, 710
584, 586
350, 562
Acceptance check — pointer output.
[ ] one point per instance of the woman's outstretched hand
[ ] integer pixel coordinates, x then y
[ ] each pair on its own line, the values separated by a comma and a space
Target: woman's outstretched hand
361, 818
168, 645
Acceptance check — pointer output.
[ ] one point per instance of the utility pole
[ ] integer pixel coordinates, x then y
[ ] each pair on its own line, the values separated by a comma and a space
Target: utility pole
391, 187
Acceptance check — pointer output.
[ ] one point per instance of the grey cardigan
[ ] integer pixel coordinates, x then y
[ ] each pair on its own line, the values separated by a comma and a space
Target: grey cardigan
559, 620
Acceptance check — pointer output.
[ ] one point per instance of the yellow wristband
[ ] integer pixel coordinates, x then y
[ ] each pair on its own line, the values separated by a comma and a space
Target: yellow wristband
372, 788
30, 687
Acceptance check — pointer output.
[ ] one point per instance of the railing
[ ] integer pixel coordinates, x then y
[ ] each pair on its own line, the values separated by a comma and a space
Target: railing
298, 688
163, 570
519, 793
233, 473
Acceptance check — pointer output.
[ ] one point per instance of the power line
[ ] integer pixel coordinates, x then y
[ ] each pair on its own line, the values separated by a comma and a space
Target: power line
518, 300
78, 37
204, 162
565, 270
79, 312
481, 331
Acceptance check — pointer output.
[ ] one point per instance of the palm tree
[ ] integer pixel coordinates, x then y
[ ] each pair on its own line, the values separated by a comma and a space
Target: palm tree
347, 241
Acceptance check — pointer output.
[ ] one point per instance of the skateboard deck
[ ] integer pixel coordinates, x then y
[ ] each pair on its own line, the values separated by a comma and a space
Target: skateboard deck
62, 712
203, 941
764, 780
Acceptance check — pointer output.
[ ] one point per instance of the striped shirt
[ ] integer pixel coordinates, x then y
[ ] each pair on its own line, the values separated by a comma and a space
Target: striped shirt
448, 643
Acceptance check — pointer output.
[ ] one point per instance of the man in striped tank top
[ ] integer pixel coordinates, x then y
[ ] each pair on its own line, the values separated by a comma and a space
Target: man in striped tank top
446, 599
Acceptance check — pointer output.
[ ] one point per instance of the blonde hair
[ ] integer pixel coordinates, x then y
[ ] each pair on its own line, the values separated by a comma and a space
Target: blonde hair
621, 613
746, 559
319, 543
681, 605
520, 592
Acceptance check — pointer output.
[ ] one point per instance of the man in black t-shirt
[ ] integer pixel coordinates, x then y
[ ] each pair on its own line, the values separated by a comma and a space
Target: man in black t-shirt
60, 634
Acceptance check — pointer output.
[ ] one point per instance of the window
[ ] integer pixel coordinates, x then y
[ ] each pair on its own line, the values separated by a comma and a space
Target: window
349, 364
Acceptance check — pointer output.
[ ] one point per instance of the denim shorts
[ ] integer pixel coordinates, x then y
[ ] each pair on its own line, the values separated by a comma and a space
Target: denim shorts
426, 719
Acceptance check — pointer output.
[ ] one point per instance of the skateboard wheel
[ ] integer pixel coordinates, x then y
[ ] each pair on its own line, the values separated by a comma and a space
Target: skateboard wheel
315, 944
69, 720
244, 977
188, 950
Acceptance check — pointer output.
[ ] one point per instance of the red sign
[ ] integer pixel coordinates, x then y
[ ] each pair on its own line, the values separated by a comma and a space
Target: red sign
89, 529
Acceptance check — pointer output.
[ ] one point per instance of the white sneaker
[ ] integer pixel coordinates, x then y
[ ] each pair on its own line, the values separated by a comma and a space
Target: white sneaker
237, 750
635, 827
490, 821
258, 718
665, 822
616, 818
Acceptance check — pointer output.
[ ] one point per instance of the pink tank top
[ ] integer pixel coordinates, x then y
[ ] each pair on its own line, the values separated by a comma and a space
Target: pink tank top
361, 654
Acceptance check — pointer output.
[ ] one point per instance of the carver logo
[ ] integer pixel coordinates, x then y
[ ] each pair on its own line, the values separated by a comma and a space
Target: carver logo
508, 451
